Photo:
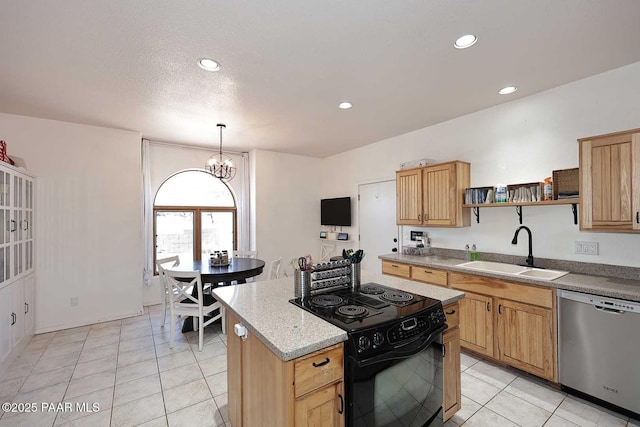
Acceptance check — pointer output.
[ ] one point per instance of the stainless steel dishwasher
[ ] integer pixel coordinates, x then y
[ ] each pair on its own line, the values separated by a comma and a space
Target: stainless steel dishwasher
598, 347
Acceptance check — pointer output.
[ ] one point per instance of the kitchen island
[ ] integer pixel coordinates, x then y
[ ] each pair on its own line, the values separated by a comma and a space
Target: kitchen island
277, 374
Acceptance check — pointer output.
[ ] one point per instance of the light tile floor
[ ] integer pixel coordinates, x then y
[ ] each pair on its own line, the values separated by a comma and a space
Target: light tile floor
128, 371
495, 396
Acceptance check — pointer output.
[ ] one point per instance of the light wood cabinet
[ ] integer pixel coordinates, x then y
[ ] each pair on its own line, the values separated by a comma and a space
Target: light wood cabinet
476, 323
308, 391
396, 269
433, 195
451, 372
525, 337
409, 197
610, 182
510, 322
429, 275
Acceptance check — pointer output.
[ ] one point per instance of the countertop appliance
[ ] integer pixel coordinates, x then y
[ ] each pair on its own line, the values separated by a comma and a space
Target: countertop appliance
393, 354
598, 349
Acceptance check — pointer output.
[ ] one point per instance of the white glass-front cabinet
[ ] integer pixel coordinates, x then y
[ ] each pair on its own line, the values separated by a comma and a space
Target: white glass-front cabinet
17, 280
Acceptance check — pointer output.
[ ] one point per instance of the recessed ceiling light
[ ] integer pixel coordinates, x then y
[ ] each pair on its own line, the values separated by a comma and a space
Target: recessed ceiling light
345, 105
208, 64
507, 90
465, 41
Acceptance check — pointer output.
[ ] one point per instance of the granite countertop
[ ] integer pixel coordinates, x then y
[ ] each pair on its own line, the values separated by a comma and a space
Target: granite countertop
613, 287
291, 332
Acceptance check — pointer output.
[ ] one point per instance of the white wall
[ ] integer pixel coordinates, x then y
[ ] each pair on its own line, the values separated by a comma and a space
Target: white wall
285, 206
518, 142
88, 225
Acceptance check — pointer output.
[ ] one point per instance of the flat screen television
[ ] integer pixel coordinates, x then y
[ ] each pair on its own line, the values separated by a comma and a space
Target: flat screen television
336, 211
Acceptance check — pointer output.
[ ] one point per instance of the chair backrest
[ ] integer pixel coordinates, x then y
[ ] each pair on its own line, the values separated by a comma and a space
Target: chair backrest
274, 269
160, 263
245, 254
180, 284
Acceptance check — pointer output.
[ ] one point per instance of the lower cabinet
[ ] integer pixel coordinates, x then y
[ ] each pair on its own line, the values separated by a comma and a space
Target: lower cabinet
476, 329
451, 365
264, 390
16, 312
509, 322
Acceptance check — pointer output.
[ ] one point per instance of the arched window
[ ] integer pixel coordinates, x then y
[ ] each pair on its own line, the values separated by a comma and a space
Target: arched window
194, 214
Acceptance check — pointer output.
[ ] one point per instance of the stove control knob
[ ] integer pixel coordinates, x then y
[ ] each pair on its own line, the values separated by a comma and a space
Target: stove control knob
378, 339
364, 342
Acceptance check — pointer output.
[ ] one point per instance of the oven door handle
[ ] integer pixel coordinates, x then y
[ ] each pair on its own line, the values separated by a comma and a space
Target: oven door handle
404, 351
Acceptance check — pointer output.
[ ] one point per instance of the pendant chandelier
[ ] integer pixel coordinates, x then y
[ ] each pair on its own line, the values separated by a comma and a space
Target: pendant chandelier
220, 165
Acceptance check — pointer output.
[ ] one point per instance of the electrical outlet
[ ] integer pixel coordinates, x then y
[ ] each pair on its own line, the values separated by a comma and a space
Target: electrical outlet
587, 248
74, 301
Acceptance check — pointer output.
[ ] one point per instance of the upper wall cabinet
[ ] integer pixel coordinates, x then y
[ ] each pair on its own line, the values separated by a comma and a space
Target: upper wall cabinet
610, 182
433, 195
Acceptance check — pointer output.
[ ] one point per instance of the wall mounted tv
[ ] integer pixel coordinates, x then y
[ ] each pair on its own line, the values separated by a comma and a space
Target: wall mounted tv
336, 211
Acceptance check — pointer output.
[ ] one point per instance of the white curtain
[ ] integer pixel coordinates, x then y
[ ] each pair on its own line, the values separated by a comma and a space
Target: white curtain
147, 215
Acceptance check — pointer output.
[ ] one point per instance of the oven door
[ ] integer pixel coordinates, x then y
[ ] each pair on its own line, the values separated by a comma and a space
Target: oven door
400, 388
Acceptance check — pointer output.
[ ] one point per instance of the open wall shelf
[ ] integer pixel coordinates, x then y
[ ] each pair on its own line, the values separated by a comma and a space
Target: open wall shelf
573, 202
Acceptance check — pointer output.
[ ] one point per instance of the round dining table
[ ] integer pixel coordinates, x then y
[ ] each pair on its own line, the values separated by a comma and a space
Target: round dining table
239, 269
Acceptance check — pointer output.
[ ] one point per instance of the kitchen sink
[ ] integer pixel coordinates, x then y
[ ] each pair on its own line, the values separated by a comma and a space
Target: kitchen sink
513, 270
537, 273
494, 267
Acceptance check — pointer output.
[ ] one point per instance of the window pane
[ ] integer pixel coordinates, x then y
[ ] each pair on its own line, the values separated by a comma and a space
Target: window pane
174, 234
217, 232
194, 188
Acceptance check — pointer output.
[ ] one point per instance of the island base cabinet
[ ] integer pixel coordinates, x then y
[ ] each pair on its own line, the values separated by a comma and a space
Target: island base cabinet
324, 407
451, 370
264, 390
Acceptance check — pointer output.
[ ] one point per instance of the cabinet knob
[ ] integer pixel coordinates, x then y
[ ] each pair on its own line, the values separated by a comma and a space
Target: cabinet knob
450, 313
341, 409
488, 306
418, 217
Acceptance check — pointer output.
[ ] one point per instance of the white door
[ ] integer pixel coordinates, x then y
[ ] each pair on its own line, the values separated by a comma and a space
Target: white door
377, 222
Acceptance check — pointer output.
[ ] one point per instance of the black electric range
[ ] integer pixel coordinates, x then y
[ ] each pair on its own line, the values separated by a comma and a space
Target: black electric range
377, 318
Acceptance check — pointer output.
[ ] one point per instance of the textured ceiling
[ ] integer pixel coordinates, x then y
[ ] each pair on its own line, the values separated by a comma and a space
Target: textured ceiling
288, 63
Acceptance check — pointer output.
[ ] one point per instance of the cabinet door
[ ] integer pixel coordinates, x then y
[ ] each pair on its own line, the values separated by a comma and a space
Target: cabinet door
409, 197
6, 305
476, 323
322, 408
610, 182
17, 329
439, 194
451, 367
29, 304
525, 337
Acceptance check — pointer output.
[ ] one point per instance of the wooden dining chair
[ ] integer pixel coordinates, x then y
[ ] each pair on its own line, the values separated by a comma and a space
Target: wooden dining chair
187, 299
164, 288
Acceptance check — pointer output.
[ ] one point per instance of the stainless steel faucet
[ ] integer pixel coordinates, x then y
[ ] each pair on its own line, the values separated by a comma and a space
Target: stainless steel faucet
515, 242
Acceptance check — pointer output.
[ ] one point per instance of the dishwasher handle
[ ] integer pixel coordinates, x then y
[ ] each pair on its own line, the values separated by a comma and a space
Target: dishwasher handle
608, 310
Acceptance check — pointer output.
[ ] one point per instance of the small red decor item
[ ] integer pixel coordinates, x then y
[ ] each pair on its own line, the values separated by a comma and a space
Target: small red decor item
3, 151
